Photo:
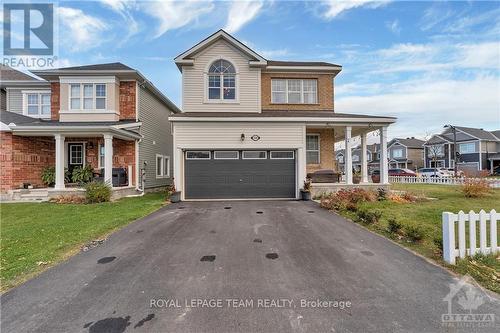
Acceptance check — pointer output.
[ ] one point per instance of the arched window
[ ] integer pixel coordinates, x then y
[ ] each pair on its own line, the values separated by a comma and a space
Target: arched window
221, 81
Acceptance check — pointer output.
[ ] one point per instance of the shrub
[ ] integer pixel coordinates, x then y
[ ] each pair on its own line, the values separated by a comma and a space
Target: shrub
393, 226
307, 185
368, 216
49, 176
82, 175
68, 199
414, 233
97, 192
475, 188
346, 199
381, 194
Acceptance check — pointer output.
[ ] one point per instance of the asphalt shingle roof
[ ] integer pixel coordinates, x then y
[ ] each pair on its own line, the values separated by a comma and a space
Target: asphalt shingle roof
113, 66
21, 120
9, 74
410, 142
299, 63
476, 132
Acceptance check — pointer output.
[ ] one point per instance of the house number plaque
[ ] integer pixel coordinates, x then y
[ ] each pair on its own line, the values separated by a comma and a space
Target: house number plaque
255, 137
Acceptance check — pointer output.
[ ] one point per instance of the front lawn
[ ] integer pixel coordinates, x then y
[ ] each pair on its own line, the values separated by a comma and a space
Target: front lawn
427, 215
35, 236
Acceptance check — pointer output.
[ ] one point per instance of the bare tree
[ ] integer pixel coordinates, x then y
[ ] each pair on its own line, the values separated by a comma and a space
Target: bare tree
434, 151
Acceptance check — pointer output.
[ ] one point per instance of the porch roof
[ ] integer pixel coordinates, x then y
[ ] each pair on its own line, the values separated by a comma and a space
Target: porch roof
23, 125
283, 115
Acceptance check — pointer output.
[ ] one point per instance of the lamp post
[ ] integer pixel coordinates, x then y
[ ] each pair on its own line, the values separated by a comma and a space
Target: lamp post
454, 147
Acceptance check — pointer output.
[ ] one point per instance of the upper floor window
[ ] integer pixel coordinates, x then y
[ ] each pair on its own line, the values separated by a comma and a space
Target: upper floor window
87, 96
435, 150
397, 153
467, 148
221, 81
294, 91
37, 104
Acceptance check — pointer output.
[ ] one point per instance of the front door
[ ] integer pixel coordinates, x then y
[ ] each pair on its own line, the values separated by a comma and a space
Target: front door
75, 156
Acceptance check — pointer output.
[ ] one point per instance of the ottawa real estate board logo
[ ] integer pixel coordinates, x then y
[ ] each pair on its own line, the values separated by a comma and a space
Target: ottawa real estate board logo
28, 35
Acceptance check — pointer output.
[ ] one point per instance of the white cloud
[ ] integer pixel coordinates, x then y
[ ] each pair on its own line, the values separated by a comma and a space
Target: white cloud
435, 15
176, 14
423, 105
240, 13
79, 30
394, 26
124, 8
335, 7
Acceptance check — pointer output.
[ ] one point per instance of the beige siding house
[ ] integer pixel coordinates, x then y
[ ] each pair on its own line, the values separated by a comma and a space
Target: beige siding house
252, 127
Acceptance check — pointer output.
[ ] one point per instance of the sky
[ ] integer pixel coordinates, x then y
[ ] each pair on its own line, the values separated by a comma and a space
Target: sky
426, 63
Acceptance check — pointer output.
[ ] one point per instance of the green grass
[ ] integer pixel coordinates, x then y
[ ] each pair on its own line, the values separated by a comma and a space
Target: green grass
35, 236
426, 216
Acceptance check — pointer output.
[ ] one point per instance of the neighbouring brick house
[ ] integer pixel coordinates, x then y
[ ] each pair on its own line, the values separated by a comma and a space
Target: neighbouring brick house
254, 128
108, 116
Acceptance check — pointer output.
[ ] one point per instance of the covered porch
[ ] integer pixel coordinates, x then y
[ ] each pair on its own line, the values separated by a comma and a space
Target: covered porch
321, 139
109, 153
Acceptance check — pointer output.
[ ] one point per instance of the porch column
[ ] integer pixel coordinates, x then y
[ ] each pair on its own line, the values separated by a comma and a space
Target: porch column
384, 169
348, 155
59, 185
108, 159
364, 159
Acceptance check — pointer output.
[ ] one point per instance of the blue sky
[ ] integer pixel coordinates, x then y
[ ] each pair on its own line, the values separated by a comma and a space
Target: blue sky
427, 63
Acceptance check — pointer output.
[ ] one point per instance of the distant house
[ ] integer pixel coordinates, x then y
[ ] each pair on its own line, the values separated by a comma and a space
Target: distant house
477, 149
406, 153
373, 157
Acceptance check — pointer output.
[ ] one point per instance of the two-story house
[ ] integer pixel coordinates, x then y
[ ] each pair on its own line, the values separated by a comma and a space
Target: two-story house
372, 157
252, 127
477, 149
108, 116
406, 153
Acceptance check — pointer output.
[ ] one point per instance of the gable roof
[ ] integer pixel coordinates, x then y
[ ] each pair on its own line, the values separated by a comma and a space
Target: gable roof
496, 133
478, 133
185, 58
10, 74
408, 142
437, 139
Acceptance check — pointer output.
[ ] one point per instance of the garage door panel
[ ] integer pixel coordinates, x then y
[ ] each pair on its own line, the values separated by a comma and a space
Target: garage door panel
241, 178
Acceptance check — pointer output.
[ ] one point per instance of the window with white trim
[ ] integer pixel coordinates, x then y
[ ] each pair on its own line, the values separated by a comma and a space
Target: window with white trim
282, 155
312, 149
221, 81
101, 156
340, 159
397, 153
467, 148
87, 96
294, 91
254, 155
226, 155
37, 104
162, 166
198, 155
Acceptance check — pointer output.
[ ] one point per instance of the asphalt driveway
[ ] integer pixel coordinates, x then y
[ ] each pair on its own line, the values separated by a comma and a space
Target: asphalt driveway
262, 262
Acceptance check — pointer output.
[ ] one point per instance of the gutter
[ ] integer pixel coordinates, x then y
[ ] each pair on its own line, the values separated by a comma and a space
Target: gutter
283, 119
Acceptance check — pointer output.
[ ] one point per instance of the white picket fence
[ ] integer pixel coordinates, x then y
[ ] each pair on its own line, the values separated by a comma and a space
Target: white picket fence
454, 231
493, 182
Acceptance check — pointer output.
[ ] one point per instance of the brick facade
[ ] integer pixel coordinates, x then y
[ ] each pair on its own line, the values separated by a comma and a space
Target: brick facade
326, 147
55, 103
127, 100
325, 92
23, 160
123, 153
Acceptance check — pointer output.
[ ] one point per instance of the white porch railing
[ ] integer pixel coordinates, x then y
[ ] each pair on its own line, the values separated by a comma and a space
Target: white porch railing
493, 182
455, 230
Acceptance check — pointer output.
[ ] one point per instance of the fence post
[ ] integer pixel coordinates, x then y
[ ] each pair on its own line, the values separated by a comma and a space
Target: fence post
472, 233
482, 231
493, 231
461, 234
449, 238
